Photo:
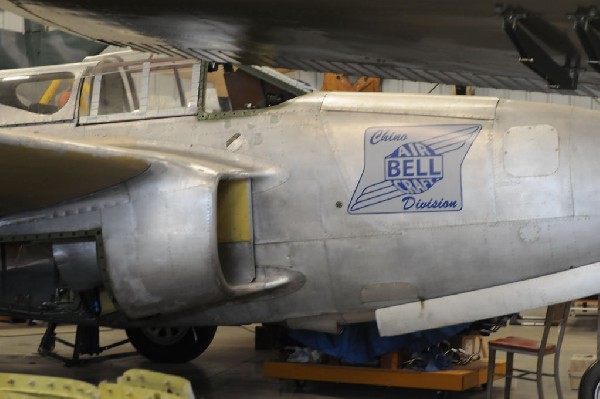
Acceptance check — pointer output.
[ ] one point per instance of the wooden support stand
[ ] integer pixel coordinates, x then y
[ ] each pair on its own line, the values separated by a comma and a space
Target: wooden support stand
459, 379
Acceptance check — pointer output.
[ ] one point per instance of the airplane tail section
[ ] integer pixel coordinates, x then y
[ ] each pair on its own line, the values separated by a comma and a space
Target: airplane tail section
481, 304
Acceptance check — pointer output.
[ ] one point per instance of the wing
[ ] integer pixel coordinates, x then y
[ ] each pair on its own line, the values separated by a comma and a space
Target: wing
467, 42
161, 215
40, 172
499, 299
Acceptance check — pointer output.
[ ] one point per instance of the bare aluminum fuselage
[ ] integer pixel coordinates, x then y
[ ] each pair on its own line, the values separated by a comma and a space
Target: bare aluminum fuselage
526, 212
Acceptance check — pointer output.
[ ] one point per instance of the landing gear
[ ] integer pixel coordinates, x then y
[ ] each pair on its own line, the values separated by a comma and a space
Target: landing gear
171, 344
87, 342
589, 387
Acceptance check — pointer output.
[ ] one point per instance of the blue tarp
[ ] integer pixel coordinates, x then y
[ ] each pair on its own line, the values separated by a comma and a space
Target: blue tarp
361, 343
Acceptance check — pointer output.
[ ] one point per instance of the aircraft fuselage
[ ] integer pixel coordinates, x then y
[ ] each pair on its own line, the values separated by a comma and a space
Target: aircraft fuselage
375, 200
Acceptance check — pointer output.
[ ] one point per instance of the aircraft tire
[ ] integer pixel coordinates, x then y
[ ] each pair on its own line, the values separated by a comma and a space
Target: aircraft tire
171, 344
589, 387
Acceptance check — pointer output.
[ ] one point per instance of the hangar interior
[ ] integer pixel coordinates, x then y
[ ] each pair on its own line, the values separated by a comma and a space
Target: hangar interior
232, 367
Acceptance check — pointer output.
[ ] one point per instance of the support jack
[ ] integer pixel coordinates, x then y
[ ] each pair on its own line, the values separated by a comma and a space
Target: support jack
87, 342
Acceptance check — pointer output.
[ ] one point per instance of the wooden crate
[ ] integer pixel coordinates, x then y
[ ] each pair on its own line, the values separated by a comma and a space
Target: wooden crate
577, 366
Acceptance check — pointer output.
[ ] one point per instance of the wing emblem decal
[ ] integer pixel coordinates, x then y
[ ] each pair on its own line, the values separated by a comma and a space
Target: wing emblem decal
413, 169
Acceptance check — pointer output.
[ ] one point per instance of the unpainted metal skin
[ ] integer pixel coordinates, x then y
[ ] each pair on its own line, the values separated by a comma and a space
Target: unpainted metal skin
359, 202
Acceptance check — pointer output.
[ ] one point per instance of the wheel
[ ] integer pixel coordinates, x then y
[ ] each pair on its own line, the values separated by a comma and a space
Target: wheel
589, 387
171, 344
442, 394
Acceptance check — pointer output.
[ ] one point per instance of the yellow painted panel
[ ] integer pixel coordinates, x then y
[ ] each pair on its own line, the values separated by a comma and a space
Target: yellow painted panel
18, 395
49, 387
165, 383
109, 390
134, 384
233, 211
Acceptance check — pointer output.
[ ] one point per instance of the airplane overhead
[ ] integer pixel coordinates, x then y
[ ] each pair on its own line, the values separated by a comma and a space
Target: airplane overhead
465, 42
37, 46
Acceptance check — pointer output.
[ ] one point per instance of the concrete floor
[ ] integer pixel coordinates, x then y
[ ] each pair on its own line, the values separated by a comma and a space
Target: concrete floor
231, 368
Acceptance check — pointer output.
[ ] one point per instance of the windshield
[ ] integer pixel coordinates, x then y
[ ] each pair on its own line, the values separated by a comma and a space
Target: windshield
40, 94
134, 90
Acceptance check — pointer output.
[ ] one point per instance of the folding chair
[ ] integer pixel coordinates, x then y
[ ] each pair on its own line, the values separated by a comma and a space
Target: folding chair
555, 315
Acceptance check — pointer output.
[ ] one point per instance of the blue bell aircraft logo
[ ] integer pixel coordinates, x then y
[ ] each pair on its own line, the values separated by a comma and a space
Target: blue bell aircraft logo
413, 169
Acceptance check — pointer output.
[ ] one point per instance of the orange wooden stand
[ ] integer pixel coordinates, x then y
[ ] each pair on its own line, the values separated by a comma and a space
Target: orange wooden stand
459, 379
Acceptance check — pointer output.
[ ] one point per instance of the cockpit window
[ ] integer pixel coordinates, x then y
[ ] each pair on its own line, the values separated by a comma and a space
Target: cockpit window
40, 94
126, 90
230, 88
238, 88
113, 95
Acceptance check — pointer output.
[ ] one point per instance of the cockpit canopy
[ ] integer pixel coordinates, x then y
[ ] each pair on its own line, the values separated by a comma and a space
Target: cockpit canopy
132, 86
